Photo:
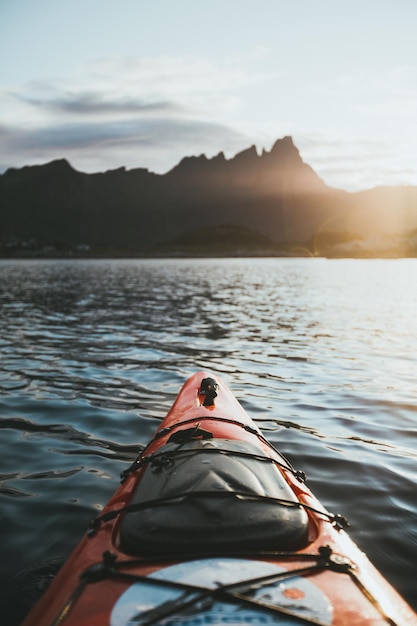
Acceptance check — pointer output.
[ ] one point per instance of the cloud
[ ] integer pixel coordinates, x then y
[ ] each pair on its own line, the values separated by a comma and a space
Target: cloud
87, 104
160, 143
357, 163
380, 102
190, 86
126, 109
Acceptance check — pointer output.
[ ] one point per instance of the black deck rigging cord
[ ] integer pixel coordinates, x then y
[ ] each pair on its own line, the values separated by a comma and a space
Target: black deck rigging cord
337, 520
138, 463
110, 567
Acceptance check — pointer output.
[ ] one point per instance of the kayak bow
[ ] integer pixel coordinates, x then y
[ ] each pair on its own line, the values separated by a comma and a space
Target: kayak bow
213, 525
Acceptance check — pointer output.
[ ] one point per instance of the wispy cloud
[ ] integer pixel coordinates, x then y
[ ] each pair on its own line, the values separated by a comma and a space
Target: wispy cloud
357, 163
87, 104
131, 107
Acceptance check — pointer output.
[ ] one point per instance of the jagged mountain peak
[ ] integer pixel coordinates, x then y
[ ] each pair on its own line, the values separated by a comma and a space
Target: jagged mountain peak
282, 152
56, 166
248, 155
286, 143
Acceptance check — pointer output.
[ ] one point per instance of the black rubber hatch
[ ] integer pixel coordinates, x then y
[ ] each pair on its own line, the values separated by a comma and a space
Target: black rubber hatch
212, 496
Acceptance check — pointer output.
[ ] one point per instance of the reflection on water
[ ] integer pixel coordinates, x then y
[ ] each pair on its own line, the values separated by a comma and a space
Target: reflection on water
320, 353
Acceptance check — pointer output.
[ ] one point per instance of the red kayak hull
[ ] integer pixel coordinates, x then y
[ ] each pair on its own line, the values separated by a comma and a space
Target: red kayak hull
348, 588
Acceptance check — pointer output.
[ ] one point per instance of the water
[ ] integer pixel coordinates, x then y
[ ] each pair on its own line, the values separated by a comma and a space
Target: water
321, 354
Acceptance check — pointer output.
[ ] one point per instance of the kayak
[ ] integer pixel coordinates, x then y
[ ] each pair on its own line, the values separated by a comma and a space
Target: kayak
212, 525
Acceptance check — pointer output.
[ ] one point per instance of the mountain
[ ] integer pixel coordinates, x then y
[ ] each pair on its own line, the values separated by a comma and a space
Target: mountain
214, 201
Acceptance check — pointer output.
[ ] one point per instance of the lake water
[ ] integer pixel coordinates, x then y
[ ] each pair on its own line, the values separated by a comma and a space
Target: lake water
321, 353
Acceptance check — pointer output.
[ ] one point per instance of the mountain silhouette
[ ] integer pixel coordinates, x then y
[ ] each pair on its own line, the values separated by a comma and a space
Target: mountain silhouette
202, 204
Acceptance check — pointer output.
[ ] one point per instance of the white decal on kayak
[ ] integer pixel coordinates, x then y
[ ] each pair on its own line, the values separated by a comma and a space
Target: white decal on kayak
171, 606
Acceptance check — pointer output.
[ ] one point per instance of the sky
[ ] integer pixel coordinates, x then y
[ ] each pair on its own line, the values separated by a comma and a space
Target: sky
144, 83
